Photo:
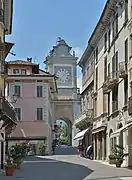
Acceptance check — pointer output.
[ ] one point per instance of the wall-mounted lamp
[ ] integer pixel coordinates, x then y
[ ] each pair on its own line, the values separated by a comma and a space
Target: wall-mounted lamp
14, 98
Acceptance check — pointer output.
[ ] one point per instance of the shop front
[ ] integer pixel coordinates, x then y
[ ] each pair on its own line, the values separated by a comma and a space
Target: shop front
84, 138
123, 137
99, 143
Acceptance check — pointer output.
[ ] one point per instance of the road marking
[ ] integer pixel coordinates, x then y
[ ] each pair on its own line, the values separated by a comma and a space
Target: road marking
126, 178
39, 161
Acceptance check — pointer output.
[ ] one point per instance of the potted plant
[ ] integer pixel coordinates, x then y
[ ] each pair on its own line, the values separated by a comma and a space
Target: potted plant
119, 155
112, 159
16, 152
42, 149
9, 167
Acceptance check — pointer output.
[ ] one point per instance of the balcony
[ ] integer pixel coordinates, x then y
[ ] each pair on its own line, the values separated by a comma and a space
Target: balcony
1, 16
111, 80
122, 69
8, 113
106, 89
130, 105
84, 115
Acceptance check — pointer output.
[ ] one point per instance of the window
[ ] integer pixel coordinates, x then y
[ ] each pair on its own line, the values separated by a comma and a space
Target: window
18, 111
23, 71
96, 79
105, 42
109, 104
126, 10
109, 69
115, 27
116, 24
95, 107
115, 99
39, 113
105, 68
96, 53
125, 90
15, 71
113, 30
126, 50
39, 91
115, 64
109, 33
131, 45
104, 104
17, 90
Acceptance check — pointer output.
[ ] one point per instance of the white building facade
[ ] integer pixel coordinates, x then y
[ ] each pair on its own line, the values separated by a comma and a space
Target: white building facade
111, 44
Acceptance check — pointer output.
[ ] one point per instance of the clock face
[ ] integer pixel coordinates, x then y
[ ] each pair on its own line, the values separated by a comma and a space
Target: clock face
63, 75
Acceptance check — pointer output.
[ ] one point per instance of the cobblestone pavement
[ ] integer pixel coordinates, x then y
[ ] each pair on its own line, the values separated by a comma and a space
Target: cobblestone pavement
71, 167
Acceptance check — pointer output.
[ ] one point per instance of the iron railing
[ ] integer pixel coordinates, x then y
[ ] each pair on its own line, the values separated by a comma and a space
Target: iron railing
114, 106
8, 110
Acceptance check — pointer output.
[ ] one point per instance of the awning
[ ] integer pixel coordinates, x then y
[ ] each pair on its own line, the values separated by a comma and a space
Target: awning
80, 135
117, 132
99, 129
30, 129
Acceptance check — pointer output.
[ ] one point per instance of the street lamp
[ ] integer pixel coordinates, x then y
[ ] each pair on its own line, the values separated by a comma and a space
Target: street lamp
14, 98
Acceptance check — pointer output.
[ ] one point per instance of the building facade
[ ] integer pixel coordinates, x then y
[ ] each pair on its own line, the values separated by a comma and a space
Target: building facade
84, 120
110, 44
35, 89
8, 115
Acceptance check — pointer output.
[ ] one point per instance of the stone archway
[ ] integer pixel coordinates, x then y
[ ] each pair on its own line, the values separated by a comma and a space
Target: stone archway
63, 110
69, 128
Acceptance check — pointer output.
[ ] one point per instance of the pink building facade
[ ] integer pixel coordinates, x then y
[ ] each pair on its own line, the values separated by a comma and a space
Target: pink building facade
35, 89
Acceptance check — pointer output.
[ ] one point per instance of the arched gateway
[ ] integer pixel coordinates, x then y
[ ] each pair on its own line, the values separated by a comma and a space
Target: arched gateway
66, 103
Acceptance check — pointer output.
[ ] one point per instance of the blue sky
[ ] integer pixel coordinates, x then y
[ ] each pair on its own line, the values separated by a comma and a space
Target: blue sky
38, 23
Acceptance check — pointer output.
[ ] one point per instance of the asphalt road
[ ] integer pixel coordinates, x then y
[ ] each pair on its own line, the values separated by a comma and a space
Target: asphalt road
35, 168
67, 167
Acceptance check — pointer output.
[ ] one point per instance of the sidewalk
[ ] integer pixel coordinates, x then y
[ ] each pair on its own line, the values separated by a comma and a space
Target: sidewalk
101, 171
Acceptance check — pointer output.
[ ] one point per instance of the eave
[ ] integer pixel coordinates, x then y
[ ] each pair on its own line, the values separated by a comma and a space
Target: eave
100, 28
8, 46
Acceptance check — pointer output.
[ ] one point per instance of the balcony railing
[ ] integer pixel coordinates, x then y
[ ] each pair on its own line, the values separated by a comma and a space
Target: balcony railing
111, 81
122, 69
8, 110
114, 106
130, 105
1, 15
86, 114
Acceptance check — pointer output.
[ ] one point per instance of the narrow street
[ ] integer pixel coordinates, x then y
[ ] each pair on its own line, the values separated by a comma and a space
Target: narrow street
63, 167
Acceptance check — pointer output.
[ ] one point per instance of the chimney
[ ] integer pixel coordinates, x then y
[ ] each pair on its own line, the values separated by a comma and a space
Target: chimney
29, 59
74, 53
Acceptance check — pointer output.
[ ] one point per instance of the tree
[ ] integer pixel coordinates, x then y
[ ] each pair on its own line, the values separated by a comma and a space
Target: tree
64, 130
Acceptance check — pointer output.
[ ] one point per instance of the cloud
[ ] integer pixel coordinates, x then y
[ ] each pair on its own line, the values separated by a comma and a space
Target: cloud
78, 51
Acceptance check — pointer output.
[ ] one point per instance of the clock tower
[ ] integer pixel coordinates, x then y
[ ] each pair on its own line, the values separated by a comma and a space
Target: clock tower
63, 64
66, 103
